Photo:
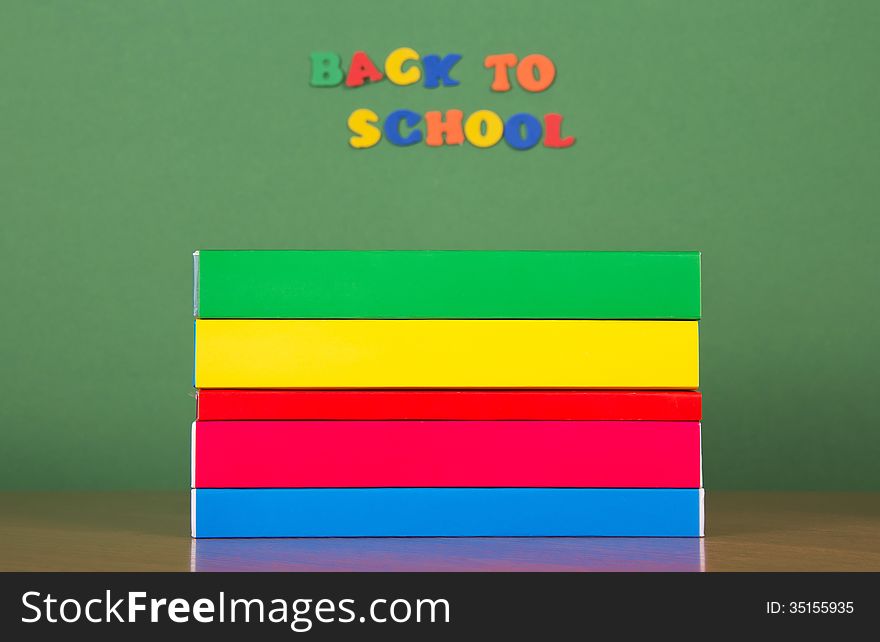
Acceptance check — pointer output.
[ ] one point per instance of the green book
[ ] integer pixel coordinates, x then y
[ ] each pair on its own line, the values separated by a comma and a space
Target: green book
277, 284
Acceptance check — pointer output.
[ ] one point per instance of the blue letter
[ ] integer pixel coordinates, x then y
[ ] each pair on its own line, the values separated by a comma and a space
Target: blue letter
392, 127
437, 69
513, 131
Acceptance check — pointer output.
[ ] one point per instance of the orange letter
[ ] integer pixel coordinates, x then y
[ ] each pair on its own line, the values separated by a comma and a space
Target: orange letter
437, 128
501, 62
526, 76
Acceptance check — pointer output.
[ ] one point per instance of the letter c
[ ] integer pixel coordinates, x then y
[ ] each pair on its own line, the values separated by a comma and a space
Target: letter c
392, 127
394, 67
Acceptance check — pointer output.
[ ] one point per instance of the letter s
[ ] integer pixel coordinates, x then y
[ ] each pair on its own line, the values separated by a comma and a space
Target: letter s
343, 606
24, 600
360, 122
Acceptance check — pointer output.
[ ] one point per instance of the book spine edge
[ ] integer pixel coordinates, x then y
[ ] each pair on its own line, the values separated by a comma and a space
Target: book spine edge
196, 284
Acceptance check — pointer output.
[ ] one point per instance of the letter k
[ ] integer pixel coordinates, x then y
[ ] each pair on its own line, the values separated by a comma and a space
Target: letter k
112, 610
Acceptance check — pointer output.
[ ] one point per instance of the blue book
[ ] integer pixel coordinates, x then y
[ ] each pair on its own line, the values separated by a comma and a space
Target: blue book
461, 554
450, 554
447, 512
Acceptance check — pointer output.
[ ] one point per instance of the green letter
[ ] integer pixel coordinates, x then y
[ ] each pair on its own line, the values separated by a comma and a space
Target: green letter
326, 69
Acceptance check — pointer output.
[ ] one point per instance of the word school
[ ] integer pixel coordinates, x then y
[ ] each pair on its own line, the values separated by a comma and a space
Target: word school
483, 128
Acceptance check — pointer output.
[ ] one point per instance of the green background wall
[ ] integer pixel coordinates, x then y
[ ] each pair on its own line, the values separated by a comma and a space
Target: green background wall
134, 132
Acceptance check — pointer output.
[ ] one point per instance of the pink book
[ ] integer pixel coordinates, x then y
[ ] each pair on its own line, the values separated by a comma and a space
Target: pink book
360, 454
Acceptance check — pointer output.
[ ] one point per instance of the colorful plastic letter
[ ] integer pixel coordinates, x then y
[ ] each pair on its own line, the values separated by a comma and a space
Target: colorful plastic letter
437, 127
513, 133
362, 69
360, 122
502, 63
553, 132
484, 128
394, 66
437, 69
326, 69
392, 127
528, 79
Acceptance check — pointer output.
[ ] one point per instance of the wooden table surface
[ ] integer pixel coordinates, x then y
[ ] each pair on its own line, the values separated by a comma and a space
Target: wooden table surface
149, 531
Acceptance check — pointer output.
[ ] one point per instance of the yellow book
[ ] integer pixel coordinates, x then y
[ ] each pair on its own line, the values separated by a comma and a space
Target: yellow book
307, 353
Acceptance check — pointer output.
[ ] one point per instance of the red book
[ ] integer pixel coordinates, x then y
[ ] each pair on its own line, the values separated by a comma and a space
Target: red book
360, 454
449, 404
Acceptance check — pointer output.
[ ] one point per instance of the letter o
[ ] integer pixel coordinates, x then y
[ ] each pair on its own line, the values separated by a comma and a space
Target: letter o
513, 131
525, 72
408, 610
75, 617
476, 122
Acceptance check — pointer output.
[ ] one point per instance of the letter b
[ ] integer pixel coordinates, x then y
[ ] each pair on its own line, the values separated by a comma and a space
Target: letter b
326, 69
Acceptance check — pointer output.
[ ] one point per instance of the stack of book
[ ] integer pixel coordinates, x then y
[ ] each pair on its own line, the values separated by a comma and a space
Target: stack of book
446, 394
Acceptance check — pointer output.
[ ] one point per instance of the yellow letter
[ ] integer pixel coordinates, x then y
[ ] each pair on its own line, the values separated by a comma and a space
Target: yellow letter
367, 134
473, 128
394, 67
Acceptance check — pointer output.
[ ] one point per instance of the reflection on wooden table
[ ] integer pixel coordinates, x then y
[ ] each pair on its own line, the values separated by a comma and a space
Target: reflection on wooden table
149, 531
